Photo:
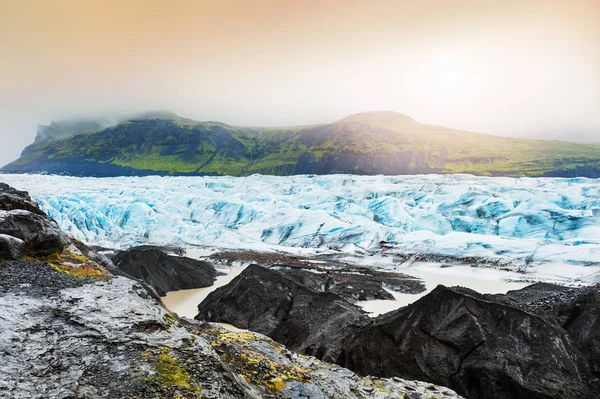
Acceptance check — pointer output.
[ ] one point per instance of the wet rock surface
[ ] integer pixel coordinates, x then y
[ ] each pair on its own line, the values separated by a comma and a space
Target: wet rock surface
164, 272
328, 274
11, 247
23, 219
287, 374
539, 342
12, 199
268, 302
41, 235
66, 337
69, 328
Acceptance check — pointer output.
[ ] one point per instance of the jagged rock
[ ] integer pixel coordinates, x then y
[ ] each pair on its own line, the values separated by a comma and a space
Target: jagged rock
41, 234
22, 218
354, 284
482, 346
6, 189
164, 272
289, 375
577, 310
268, 302
329, 275
11, 199
11, 247
71, 329
474, 344
62, 336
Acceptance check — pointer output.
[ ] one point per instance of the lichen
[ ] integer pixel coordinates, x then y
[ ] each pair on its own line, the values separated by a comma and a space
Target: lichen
252, 365
170, 320
170, 373
87, 271
76, 265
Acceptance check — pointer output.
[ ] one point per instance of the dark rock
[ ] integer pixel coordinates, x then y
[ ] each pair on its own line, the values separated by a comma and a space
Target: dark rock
474, 344
6, 189
354, 284
11, 247
268, 302
540, 342
41, 234
582, 322
576, 310
164, 272
329, 274
11, 199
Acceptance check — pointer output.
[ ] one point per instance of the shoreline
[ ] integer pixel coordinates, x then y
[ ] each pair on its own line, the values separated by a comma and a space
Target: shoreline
184, 302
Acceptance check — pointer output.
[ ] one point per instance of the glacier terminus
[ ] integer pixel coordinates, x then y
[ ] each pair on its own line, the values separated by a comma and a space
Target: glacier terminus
528, 225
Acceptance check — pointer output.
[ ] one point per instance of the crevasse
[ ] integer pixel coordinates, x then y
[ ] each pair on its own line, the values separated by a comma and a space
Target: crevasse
459, 215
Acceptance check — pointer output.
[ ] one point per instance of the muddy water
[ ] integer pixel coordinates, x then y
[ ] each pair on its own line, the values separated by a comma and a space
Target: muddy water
486, 283
185, 302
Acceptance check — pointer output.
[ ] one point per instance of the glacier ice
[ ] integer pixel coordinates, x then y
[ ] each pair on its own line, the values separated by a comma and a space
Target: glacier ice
514, 219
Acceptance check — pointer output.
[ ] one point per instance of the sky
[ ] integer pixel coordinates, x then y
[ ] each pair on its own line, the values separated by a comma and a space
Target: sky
523, 68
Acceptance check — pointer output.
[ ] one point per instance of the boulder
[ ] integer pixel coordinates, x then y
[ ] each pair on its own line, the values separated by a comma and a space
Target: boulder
268, 302
355, 283
576, 310
327, 273
41, 234
163, 272
11, 248
6, 189
12, 199
474, 344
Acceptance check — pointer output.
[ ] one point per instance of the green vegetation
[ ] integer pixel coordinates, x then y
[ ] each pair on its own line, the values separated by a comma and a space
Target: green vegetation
367, 143
76, 265
253, 366
171, 373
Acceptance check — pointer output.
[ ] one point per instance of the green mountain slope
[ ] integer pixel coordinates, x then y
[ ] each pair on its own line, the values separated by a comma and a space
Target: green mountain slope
366, 143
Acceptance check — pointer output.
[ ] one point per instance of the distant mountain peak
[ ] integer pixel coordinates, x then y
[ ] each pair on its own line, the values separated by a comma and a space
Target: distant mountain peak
390, 120
378, 116
160, 142
156, 114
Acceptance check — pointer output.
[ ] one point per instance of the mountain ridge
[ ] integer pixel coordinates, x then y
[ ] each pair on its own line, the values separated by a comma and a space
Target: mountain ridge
368, 143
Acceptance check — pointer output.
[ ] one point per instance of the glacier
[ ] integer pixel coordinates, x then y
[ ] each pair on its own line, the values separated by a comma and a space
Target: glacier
522, 221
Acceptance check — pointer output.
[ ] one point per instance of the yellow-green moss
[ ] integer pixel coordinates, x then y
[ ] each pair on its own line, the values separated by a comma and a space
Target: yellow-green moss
170, 373
170, 320
91, 271
253, 366
76, 265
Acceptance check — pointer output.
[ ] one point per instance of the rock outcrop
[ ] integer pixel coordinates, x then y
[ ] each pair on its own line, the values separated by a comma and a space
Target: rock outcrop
11, 199
268, 302
537, 343
69, 328
23, 219
328, 274
292, 375
164, 272
62, 336
480, 347
11, 248
576, 310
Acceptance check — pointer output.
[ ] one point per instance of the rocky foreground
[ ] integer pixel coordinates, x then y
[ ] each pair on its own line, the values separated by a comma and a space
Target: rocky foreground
540, 342
74, 325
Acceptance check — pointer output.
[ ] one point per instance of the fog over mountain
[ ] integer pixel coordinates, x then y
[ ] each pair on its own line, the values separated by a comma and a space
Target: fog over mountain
513, 68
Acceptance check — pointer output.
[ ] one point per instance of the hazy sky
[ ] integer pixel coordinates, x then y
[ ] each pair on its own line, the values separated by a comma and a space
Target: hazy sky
507, 67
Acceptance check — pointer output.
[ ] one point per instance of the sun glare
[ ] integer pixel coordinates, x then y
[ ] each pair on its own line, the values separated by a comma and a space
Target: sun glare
446, 79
